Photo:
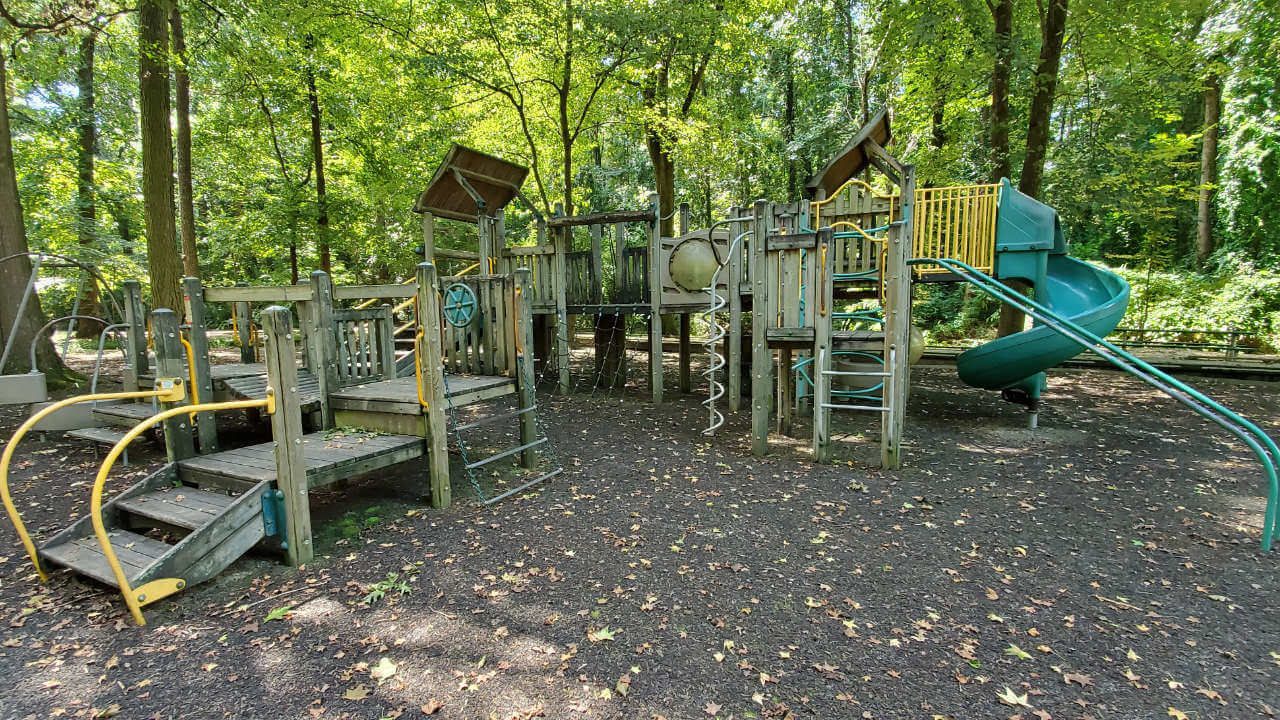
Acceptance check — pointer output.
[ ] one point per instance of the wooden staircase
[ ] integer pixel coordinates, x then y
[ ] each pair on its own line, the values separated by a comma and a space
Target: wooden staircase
191, 519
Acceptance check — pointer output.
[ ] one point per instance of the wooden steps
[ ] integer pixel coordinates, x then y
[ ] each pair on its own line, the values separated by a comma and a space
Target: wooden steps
100, 435
203, 530
328, 457
126, 414
254, 387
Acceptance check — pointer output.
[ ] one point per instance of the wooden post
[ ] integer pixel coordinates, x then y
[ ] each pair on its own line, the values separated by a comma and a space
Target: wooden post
619, 259
733, 348
484, 243
286, 433
428, 238
433, 385
761, 357
523, 296
597, 265
823, 301
560, 239
686, 352
137, 362
503, 263
322, 353
206, 422
655, 299
386, 343
684, 219
244, 332
170, 362
897, 328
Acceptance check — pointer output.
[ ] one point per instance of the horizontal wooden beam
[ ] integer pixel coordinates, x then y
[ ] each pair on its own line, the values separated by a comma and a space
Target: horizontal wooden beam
604, 218
372, 292
529, 250
258, 293
457, 254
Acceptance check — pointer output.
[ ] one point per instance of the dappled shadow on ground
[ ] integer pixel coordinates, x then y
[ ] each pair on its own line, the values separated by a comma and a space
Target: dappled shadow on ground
1103, 566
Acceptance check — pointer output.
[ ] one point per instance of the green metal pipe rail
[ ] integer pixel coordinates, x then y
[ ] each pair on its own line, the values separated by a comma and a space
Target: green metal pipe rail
1258, 441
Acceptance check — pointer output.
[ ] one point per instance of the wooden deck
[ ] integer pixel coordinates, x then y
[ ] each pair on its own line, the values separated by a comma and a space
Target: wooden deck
328, 456
254, 387
400, 396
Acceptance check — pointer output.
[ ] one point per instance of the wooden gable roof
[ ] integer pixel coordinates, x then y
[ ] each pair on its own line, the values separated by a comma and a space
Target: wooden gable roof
495, 180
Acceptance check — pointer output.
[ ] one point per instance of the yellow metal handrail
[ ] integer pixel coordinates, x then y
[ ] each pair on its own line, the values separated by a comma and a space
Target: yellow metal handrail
166, 390
253, 334
191, 373
161, 587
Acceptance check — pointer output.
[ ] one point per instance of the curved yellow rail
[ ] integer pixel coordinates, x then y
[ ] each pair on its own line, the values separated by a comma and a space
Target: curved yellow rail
167, 390
162, 587
191, 373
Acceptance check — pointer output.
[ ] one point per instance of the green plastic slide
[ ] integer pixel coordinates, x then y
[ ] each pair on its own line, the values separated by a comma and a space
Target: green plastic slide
1030, 246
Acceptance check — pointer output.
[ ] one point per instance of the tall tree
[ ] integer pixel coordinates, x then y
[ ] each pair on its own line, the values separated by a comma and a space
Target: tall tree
157, 154
1053, 28
14, 273
1002, 69
317, 159
86, 149
182, 111
1208, 167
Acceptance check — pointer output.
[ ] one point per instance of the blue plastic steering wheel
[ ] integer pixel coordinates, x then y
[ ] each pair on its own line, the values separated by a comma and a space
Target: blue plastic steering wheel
459, 305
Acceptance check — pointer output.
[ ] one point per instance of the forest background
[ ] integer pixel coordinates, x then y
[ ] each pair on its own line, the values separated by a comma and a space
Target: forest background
254, 142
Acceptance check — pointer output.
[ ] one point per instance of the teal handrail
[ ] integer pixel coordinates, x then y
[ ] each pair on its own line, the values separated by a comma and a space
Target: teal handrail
1201, 404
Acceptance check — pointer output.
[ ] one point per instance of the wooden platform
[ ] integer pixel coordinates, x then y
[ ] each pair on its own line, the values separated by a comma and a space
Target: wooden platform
329, 456
254, 387
400, 396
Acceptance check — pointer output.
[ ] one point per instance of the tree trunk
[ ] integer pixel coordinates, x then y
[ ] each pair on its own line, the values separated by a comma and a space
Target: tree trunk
14, 273
317, 155
789, 123
86, 204
1052, 31
566, 79
1002, 14
182, 96
1208, 168
157, 154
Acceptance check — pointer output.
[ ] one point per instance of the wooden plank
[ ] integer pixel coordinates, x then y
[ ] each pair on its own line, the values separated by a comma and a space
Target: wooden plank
559, 279
392, 422
201, 377
286, 430
136, 359
204, 552
428, 237
793, 241
458, 254
170, 362
823, 301
529, 250
258, 293
761, 360
398, 291
654, 252
321, 351
604, 218
686, 355
433, 379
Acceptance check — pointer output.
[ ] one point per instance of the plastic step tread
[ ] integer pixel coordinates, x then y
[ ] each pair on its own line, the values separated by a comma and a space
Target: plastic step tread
84, 555
184, 507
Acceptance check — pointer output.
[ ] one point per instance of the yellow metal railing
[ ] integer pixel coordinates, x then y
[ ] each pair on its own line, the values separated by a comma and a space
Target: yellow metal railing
166, 390
159, 588
956, 223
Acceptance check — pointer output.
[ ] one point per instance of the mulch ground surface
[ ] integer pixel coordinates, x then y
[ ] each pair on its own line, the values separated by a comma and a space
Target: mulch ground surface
1106, 565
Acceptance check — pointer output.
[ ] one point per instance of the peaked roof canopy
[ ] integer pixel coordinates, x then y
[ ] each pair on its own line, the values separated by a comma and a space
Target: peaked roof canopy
852, 159
464, 171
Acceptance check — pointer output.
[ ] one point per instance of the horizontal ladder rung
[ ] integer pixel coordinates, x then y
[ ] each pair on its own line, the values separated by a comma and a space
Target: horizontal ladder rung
526, 486
505, 453
839, 406
854, 373
495, 418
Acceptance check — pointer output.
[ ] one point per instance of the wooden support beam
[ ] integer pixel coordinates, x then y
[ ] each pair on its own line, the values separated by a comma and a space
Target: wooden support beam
597, 265
502, 263
432, 387
604, 218
525, 378
897, 330
619, 258
171, 362
484, 242
561, 239
733, 348
322, 351
136, 360
684, 218
206, 422
244, 331
823, 301
655, 299
686, 354
428, 238
258, 293
286, 432
761, 357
